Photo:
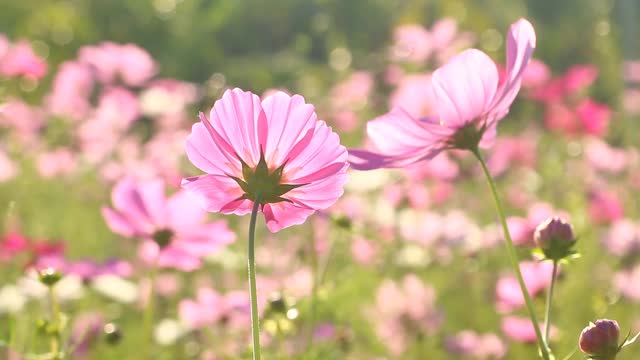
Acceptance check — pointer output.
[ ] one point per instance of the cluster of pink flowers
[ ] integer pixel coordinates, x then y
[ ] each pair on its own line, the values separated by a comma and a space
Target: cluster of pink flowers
19, 60
568, 109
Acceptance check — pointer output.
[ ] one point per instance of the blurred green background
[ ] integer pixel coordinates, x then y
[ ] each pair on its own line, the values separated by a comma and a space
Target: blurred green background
288, 43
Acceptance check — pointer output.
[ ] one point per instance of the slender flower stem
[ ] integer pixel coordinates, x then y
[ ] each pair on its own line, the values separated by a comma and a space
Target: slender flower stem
513, 257
54, 342
314, 289
147, 322
253, 291
547, 316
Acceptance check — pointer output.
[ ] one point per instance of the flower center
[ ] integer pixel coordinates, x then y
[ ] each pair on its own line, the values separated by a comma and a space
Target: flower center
468, 137
162, 237
261, 185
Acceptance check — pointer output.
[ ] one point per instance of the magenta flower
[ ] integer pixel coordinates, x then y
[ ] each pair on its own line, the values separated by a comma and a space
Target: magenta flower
173, 232
469, 100
275, 152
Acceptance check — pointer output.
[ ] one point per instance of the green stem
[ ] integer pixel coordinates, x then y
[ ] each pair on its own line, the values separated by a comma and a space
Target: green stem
54, 342
253, 291
149, 312
513, 257
314, 289
547, 316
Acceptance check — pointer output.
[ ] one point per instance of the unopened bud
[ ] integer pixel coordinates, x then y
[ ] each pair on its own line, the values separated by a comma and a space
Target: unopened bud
555, 238
49, 276
599, 340
112, 333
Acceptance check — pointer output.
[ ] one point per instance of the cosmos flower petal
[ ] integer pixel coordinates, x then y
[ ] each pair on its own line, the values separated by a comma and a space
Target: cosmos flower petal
284, 214
182, 213
203, 152
465, 87
118, 223
235, 117
400, 140
521, 42
319, 194
321, 150
128, 201
290, 118
215, 192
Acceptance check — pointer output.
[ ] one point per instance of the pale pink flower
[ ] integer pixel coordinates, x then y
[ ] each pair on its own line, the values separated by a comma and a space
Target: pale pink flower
627, 283
403, 308
275, 151
206, 309
536, 276
25, 120
509, 151
61, 161
623, 238
579, 77
129, 63
593, 116
469, 103
8, 169
172, 231
521, 329
20, 60
412, 43
604, 157
72, 87
353, 92
415, 95
472, 345
363, 251
604, 206
631, 71
536, 74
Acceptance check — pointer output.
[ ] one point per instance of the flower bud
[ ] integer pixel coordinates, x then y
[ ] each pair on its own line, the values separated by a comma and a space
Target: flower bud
555, 238
599, 340
112, 333
49, 276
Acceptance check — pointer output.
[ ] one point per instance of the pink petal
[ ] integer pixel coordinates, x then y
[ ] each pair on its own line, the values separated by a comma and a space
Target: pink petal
129, 202
521, 42
465, 87
236, 117
118, 223
182, 214
401, 140
284, 214
216, 192
289, 119
321, 157
203, 152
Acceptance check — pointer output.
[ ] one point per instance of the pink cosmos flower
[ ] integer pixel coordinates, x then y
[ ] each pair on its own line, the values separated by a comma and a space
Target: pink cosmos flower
521, 329
476, 346
128, 62
623, 238
626, 282
404, 309
72, 88
275, 152
594, 117
172, 231
20, 60
604, 157
537, 277
605, 206
469, 102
